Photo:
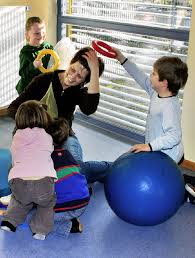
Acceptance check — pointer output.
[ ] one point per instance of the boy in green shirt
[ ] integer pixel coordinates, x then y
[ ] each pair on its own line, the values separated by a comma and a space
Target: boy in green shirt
29, 66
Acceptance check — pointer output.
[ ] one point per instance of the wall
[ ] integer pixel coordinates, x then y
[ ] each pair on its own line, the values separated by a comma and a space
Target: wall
188, 117
46, 11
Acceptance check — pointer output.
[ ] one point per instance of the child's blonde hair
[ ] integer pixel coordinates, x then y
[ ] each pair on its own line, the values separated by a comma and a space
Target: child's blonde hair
32, 114
31, 21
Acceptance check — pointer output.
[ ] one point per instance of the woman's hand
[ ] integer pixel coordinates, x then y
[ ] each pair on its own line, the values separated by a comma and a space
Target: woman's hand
92, 60
93, 63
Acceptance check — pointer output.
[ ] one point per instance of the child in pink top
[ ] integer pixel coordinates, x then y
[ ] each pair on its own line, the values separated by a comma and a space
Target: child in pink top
32, 175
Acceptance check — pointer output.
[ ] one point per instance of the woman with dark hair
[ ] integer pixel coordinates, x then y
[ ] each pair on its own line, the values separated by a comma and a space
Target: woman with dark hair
62, 91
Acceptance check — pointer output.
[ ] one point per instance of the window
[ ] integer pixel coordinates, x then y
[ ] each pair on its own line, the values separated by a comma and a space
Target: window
12, 23
144, 31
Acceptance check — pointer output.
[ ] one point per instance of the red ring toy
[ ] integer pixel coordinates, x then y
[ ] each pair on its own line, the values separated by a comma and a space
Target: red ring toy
99, 46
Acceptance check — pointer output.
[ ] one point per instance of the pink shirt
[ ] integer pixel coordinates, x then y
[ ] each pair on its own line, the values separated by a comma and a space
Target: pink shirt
31, 154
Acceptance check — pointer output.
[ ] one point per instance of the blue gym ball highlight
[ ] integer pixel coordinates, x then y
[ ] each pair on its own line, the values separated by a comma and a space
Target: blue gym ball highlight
5, 165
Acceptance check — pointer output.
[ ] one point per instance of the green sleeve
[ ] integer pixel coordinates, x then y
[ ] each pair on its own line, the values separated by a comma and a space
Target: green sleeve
27, 68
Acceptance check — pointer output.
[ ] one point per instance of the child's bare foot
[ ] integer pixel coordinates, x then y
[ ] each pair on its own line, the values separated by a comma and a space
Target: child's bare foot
77, 227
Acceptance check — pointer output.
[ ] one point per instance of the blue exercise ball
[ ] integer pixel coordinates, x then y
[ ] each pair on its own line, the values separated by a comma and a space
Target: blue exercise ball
144, 189
5, 165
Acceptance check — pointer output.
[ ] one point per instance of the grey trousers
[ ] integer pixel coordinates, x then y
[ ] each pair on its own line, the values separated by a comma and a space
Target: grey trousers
27, 194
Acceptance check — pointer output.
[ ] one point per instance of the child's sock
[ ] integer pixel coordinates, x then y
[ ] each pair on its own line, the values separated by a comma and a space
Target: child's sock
39, 236
191, 189
5, 199
77, 227
7, 226
189, 194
